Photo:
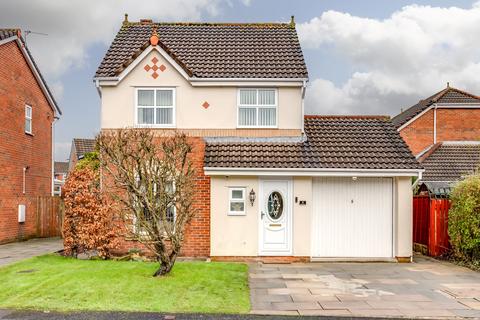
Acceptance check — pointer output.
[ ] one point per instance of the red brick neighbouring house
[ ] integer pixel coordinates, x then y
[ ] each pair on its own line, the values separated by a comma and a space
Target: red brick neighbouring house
448, 115
27, 114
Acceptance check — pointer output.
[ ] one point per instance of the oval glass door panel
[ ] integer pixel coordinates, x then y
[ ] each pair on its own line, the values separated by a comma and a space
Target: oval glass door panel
275, 205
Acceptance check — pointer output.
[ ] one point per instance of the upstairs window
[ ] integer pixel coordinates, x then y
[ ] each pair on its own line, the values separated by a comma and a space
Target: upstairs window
28, 119
257, 108
155, 107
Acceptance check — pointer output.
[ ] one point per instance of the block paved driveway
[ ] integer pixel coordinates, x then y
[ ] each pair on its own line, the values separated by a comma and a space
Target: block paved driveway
16, 251
425, 288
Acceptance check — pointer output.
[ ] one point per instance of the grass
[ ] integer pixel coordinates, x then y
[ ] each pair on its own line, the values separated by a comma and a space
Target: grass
52, 282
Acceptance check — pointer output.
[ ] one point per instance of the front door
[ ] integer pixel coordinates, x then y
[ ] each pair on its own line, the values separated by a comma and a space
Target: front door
275, 217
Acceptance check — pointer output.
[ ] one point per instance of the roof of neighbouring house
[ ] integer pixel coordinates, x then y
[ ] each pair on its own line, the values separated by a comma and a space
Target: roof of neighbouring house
16, 33
449, 95
7, 33
83, 146
213, 50
451, 161
60, 167
332, 142
447, 163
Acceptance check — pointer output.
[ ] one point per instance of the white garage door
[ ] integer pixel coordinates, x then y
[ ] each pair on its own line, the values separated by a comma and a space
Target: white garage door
352, 218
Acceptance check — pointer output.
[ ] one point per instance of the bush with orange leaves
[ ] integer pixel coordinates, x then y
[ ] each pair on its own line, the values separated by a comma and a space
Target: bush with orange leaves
88, 225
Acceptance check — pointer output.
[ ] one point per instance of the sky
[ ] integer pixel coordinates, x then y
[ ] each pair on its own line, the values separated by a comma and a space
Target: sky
363, 57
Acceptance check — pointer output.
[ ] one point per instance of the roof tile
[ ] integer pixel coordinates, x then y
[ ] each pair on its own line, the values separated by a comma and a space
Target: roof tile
332, 142
213, 50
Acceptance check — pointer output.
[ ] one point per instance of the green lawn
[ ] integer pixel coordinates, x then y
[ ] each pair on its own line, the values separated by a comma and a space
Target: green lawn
66, 284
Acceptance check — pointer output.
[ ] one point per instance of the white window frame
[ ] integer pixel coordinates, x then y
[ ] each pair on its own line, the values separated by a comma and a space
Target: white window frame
28, 107
231, 199
138, 231
155, 125
258, 106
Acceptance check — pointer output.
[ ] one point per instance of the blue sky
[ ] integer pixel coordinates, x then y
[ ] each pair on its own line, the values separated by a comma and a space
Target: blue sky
363, 57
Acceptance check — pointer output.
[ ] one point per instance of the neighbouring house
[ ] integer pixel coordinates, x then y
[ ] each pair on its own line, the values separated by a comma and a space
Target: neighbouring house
448, 115
60, 173
79, 148
28, 112
445, 164
272, 184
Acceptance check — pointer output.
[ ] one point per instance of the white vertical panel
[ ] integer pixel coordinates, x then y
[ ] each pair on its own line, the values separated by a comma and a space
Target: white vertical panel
353, 218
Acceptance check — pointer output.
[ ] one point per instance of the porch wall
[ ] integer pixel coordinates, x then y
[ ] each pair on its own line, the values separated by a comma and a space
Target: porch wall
237, 236
233, 235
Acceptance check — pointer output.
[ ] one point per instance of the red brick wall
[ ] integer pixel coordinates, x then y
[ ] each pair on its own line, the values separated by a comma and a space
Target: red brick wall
452, 125
458, 124
419, 134
18, 87
197, 234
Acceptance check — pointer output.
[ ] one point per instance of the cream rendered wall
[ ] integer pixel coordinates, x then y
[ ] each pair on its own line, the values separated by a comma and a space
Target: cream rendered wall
232, 235
404, 217
238, 235
302, 216
118, 102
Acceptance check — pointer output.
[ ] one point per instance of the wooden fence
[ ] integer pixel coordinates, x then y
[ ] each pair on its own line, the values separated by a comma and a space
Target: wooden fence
50, 211
421, 222
438, 235
430, 225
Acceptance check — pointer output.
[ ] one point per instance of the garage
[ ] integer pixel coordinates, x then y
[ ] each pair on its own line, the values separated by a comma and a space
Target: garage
352, 217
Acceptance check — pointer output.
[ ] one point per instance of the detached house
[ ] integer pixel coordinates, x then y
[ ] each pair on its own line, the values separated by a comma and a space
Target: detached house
27, 115
448, 115
272, 184
443, 131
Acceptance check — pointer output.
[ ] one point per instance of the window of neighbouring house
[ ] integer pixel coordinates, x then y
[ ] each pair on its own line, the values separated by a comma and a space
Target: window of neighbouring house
155, 107
28, 119
236, 201
257, 108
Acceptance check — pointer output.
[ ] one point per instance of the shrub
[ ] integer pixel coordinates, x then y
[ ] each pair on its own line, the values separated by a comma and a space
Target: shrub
88, 223
90, 159
464, 219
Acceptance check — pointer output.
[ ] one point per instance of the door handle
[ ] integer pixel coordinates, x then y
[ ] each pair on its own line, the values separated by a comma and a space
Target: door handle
262, 215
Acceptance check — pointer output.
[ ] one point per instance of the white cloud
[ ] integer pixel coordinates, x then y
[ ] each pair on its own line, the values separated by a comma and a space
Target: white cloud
411, 54
72, 26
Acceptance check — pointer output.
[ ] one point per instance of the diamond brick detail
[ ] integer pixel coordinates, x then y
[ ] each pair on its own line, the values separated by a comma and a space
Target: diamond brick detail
205, 105
154, 68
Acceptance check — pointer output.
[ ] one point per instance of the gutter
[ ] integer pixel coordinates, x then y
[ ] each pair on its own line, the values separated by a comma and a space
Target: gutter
222, 171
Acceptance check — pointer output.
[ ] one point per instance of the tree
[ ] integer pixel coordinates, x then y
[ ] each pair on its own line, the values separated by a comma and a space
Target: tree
88, 222
152, 180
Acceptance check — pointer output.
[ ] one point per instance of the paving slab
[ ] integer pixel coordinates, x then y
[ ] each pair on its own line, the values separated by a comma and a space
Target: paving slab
16, 251
424, 288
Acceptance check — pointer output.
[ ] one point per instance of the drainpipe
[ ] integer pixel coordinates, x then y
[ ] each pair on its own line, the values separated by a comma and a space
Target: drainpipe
414, 185
435, 123
304, 88
23, 178
55, 118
